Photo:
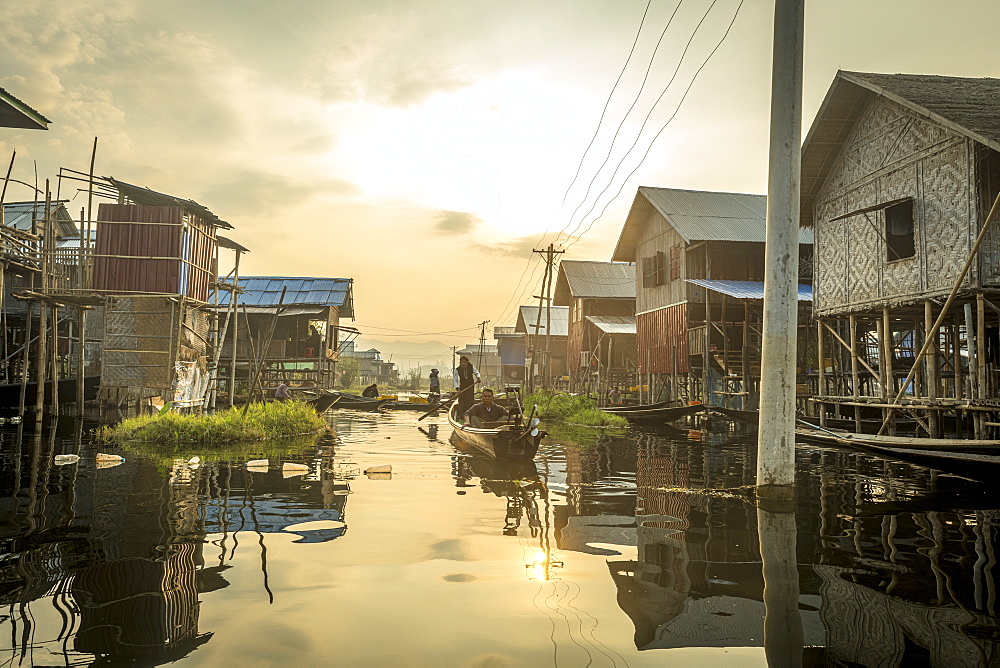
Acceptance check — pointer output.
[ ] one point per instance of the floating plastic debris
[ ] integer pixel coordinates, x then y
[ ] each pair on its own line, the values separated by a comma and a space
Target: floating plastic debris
195, 460
289, 469
106, 461
63, 460
16, 419
379, 472
258, 465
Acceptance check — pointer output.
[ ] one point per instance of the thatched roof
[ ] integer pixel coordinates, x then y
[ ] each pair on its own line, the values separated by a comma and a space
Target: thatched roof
970, 107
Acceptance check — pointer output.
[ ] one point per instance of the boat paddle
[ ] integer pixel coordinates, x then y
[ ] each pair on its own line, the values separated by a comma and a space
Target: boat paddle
446, 403
839, 437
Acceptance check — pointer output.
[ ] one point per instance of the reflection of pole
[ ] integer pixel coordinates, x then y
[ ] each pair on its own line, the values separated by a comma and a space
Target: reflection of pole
776, 435
782, 623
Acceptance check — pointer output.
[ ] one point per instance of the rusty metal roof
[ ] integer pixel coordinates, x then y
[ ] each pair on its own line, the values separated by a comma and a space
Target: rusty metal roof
527, 316
970, 107
141, 195
745, 289
613, 324
16, 114
593, 280
300, 291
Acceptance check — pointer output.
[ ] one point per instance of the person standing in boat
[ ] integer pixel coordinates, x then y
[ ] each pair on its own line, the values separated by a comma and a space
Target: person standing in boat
487, 411
435, 389
466, 377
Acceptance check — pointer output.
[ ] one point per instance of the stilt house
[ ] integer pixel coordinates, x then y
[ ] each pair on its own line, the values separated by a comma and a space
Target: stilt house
899, 174
543, 330
289, 326
601, 298
699, 287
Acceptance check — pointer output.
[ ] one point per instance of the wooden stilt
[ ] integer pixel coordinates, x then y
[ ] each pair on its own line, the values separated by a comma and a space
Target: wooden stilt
820, 351
855, 389
933, 368
981, 380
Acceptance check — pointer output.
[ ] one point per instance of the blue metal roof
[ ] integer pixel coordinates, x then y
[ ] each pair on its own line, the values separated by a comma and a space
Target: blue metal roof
746, 289
301, 291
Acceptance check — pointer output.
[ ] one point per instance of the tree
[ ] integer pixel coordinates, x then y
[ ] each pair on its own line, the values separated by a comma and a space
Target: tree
350, 369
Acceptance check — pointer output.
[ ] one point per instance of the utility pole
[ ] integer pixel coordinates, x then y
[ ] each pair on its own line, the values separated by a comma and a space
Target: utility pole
776, 435
546, 297
482, 345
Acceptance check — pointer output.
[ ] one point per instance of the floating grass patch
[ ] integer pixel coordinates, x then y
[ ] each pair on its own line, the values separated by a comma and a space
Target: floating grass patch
279, 419
573, 408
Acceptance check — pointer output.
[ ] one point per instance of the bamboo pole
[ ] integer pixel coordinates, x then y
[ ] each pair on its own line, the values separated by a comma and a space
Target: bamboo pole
855, 390
42, 358
933, 368
55, 362
81, 351
981, 380
890, 373
820, 351
25, 359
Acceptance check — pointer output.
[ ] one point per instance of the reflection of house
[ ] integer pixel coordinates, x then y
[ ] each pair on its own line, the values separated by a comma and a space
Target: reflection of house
510, 348
898, 175
485, 358
696, 253
601, 301
305, 314
532, 319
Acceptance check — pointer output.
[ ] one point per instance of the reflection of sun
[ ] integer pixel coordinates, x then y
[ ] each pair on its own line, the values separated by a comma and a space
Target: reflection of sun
541, 565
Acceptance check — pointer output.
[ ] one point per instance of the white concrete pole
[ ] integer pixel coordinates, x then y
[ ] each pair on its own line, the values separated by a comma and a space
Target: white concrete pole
776, 444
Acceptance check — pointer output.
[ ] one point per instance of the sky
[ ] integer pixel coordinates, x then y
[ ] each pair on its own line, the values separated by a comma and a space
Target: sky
425, 147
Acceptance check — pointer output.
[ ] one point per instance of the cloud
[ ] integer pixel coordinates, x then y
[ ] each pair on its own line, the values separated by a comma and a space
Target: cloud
455, 222
513, 248
256, 192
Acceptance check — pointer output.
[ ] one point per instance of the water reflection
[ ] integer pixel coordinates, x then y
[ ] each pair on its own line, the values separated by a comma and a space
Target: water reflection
639, 544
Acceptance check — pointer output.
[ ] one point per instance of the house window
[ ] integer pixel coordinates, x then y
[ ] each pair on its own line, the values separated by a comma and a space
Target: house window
654, 270
899, 231
675, 263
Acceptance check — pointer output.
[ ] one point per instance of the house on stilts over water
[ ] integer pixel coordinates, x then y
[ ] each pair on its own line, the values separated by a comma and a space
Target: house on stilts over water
899, 174
699, 292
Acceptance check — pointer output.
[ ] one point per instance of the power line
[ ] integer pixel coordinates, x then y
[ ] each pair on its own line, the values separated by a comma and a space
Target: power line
664, 127
642, 127
642, 87
409, 331
607, 103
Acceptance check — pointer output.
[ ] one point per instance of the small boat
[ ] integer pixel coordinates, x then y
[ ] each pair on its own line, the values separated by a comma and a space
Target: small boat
411, 406
502, 440
654, 412
360, 403
324, 402
973, 458
637, 407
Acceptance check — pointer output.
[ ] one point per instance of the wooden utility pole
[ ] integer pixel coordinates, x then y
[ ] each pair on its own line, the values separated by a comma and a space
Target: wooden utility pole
482, 345
546, 297
776, 435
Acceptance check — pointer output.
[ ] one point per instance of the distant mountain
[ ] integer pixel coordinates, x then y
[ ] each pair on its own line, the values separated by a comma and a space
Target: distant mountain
410, 354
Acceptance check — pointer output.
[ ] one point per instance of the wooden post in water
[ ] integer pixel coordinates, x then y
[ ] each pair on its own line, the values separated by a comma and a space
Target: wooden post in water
855, 390
890, 375
933, 369
821, 353
776, 434
981, 380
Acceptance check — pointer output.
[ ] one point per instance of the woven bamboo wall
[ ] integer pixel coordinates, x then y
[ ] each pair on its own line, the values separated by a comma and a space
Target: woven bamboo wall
892, 154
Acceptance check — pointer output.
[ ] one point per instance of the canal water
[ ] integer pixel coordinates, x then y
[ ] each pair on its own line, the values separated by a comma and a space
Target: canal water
381, 544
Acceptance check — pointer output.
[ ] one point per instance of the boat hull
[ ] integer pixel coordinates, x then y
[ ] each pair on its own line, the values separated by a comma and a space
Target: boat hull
509, 442
655, 413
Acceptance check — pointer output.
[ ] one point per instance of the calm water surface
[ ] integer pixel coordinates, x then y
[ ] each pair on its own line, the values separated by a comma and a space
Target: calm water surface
617, 550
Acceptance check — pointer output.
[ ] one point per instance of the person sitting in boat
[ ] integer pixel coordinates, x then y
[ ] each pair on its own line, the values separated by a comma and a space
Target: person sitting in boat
283, 393
371, 391
487, 411
615, 397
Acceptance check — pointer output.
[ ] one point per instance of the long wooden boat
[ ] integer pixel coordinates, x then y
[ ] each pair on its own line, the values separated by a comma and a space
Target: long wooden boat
499, 440
637, 407
969, 457
360, 403
411, 406
324, 402
656, 414
753, 417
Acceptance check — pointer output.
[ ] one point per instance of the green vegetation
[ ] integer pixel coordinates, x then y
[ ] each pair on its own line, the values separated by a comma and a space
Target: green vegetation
573, 408
350, 369
278, 419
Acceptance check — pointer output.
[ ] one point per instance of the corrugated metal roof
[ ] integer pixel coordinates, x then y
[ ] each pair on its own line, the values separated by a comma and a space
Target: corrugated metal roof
20, 215
301, 291
16, 114
745, 289
697, 215
141, 195
613, 324
593, 280
528, 315
967, 106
